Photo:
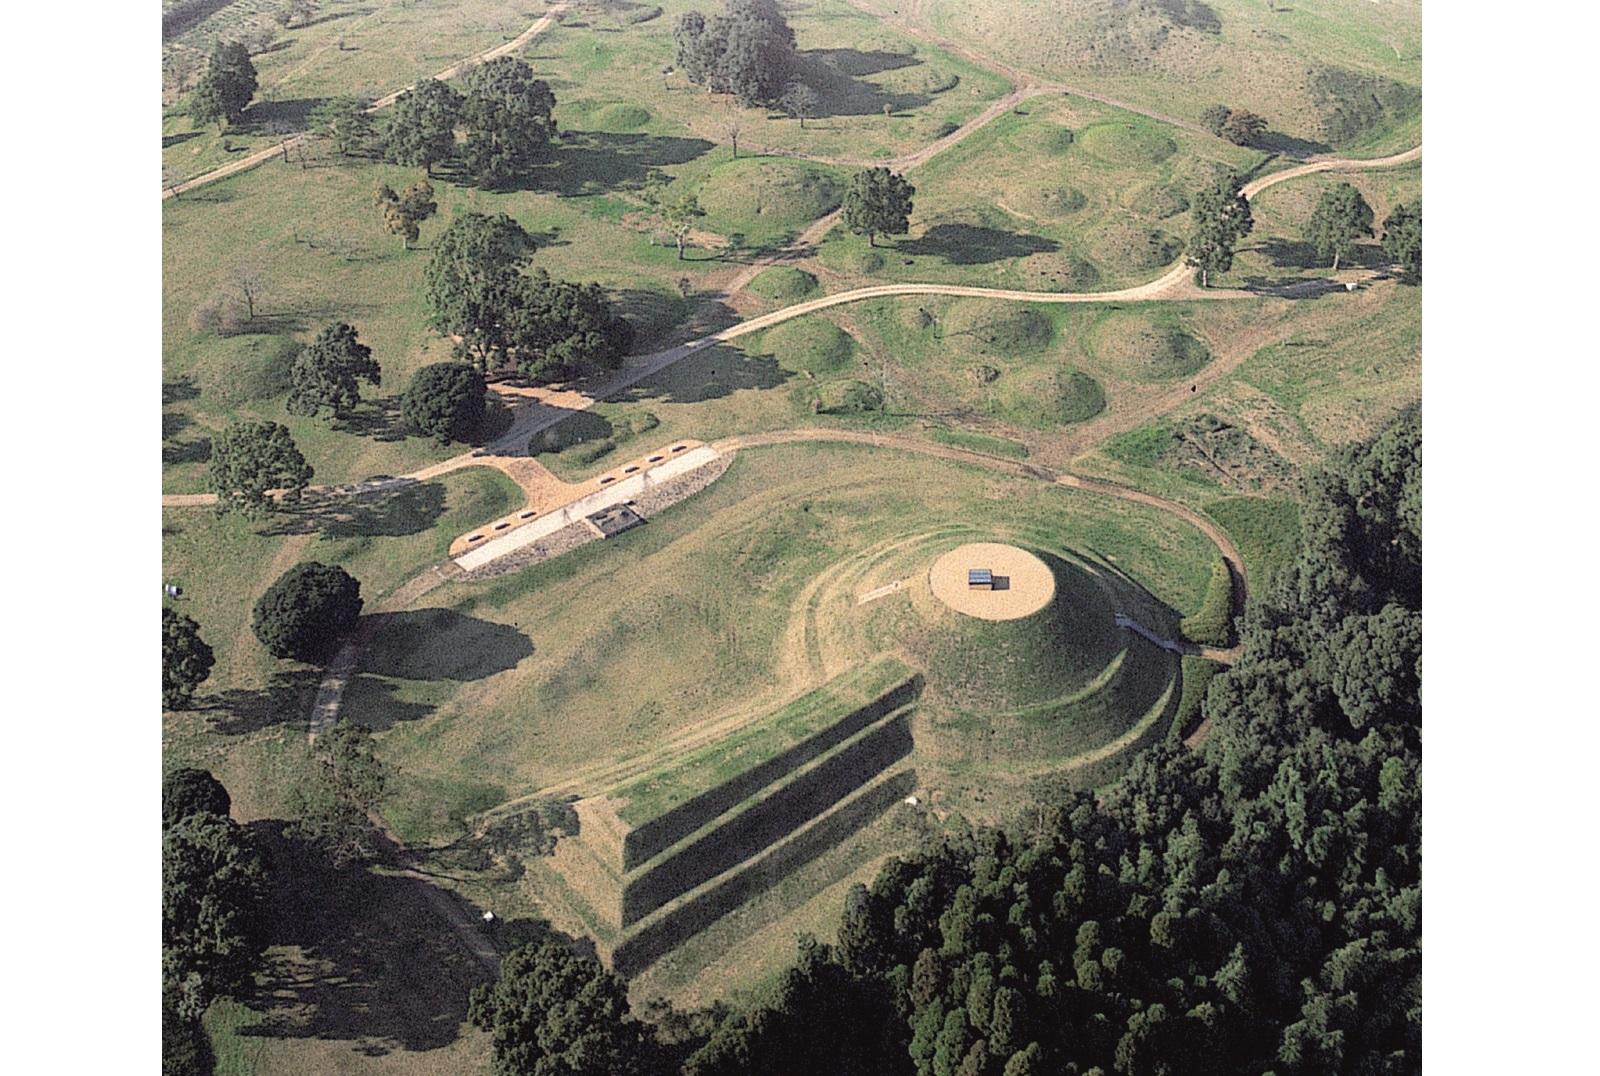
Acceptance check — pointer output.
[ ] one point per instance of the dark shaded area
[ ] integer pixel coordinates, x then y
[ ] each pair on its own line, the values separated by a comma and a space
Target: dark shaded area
838, 77
597, 162
973, 244
170, 140
410, 509
241, 711
187, 14
1298, 254
440, 644
293, 114
709, 374
1290, 146
1192, 15
377, 418
372, 702
179, 389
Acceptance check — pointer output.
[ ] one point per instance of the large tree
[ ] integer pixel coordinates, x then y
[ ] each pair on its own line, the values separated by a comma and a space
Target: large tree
402, 213
226, 87
445, 401
328, 372
1243, 127
307, 612
1341, 217
422, 125
561, 330
877, 202
187, 791
747, 51
475, 268
249, 460
552, 1012
508, 119
212, 884
186, 660
1402, 239
1221, 215
347, 122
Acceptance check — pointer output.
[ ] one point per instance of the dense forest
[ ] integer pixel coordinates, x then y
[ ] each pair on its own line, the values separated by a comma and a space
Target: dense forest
1251, 907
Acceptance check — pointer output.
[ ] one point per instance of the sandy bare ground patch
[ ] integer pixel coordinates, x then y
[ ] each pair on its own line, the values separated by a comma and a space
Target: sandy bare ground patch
1023, 583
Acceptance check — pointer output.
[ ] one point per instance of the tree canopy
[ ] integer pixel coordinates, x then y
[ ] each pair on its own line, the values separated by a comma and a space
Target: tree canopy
471, 277
226, 86
800, 102
186, 791
186, 660
1402, 239
212, 886
877, 202
326, 374
1222, 217
332, 805
552, 1012
508, 119
402, 213
307, 612
1342, 216
346, 122
445, 401
747, 51
561, 330
251, 459
422, 125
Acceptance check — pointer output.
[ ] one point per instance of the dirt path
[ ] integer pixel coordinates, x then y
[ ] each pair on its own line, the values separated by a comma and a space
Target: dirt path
249, 161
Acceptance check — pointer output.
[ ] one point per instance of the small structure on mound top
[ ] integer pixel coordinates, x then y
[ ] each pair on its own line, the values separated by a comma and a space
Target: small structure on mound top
980, 579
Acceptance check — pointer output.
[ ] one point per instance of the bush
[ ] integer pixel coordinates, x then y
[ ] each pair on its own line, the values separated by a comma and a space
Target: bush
445, 401
307, 612
1213, 624
848, 397
188, 791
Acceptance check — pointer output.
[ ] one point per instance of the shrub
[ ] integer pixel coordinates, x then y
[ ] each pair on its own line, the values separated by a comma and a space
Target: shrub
1212, 625
307, 612
848, 397
188, 791
445, 401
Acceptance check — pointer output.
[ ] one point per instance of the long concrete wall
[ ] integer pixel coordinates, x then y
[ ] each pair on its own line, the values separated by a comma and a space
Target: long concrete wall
609, 497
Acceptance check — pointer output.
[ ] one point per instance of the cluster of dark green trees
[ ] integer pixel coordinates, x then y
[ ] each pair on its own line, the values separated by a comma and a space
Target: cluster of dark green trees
1238, 125
225, 87
747, 51
1251, 907
1340, 220
505, 111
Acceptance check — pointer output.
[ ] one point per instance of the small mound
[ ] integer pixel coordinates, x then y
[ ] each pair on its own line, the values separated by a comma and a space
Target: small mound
863, 262
996, 328
1127, 144
1130, 244
918, 79
810, 345
1158, 201
765, 196
1057, 140
1043, 399
1051, 271
1047, 203
243, 369
847, 396
1141, 347
783, 283
621, 117
887, 45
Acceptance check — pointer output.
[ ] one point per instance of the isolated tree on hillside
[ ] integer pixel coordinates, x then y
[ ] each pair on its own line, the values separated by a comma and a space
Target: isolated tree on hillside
327, 373
800, 102
445, 401
186, 660
226, 87
561, 330
186, 791
346, 122
1402, 239
552, 1012
422, 125
877, 202
1342, 216
1243, 127
508, 119
307, 612
331, 807
250, 459
1221, 218
402, 213
212, 887
678, 212
471, 276
747, 51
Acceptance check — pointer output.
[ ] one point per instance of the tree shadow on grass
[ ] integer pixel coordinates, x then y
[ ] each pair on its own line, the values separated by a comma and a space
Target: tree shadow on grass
377, 418
393, 513
1290, 146
597, 162
709, 374
371, 701
241, 711
972, 244
168, 141
440, 644
1298, 254
356, 956
293, 114
179, 389
838, 76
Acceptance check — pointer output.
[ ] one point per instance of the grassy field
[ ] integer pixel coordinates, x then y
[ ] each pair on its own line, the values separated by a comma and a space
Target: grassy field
1323, 72
1062, 194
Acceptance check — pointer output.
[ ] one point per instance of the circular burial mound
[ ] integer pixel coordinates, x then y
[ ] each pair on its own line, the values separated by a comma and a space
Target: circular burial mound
1020, 583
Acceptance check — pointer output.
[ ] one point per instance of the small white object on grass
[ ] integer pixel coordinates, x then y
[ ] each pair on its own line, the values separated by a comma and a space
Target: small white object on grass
912, 801
488, 917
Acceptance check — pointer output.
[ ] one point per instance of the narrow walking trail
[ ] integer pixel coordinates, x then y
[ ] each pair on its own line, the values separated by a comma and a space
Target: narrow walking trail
251, 160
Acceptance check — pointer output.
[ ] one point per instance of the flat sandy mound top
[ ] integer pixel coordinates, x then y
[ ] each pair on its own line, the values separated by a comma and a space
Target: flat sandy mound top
1024, 583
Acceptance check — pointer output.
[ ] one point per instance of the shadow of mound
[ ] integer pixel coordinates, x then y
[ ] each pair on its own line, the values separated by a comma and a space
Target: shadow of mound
973, 244
440, 644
